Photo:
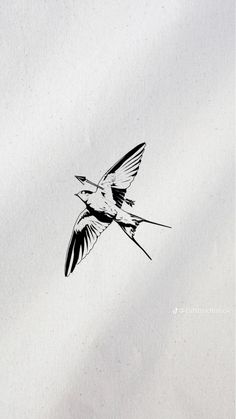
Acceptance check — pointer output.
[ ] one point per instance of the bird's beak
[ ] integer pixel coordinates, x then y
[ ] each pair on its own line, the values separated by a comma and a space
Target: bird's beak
78, 196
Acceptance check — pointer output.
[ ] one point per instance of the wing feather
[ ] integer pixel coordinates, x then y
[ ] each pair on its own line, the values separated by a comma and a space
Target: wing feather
120, 176
85, 233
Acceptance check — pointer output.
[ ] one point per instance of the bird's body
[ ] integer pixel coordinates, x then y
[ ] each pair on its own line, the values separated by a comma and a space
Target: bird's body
105, 206
99, 203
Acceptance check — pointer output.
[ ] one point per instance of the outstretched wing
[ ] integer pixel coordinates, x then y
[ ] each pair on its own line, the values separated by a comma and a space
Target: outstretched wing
121, 175
85, 233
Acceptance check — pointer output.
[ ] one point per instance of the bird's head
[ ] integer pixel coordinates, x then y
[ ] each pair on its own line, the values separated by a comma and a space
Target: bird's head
83, 195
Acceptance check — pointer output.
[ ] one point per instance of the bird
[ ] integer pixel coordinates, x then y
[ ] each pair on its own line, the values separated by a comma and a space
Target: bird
104, 206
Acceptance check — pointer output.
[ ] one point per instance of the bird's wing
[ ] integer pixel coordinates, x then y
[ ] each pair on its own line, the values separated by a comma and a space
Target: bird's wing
121, 175
85, 233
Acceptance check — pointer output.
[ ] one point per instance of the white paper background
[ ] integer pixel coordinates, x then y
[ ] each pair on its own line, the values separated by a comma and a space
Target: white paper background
82, 82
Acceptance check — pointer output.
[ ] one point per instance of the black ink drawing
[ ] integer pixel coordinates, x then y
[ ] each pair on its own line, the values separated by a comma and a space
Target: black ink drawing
104, 206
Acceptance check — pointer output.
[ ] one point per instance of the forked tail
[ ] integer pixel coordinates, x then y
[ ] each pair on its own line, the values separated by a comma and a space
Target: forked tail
130, 228
135, 220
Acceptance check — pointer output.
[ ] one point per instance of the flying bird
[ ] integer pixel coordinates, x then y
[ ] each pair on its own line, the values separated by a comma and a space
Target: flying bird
105, 206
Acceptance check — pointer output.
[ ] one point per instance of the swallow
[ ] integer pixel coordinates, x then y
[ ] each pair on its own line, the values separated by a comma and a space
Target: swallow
105, 206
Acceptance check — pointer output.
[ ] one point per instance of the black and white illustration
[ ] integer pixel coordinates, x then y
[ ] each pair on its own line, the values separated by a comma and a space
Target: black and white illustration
117, 183
104, 206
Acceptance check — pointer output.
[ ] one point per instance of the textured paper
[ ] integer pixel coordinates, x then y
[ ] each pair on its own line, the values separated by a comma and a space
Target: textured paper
82, 82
